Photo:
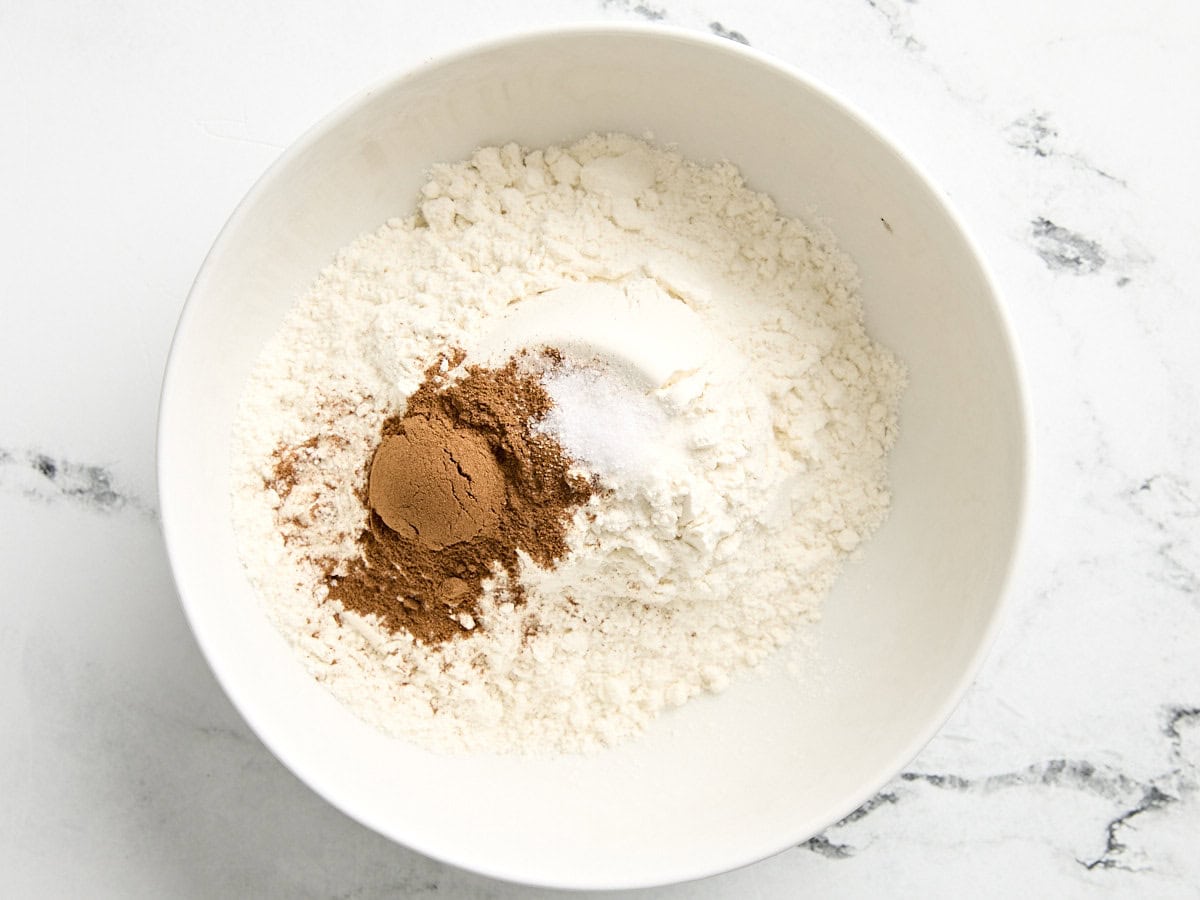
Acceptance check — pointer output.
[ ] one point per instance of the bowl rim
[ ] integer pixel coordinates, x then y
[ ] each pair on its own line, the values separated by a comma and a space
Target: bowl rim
173, 539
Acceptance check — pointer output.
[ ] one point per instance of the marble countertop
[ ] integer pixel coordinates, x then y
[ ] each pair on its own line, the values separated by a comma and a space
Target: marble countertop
1065, 133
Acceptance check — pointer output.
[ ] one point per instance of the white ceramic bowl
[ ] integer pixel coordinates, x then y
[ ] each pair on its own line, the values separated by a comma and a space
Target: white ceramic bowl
726, 780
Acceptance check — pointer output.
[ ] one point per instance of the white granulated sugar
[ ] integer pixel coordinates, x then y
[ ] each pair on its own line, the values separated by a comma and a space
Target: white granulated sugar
610, 426
718, 381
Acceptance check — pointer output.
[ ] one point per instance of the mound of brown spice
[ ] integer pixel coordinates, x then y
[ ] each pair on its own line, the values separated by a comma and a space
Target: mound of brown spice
459, 485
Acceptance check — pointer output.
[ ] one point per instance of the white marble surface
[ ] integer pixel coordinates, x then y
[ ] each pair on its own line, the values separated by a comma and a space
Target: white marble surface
1065, 133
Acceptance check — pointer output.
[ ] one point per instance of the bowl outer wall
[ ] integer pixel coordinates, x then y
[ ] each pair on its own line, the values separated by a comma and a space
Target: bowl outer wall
724, 781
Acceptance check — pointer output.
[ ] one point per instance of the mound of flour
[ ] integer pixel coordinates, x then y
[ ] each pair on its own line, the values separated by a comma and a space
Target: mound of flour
751, 461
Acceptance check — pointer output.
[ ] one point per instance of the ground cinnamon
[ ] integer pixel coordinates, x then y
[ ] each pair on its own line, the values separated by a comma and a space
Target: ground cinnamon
458, 485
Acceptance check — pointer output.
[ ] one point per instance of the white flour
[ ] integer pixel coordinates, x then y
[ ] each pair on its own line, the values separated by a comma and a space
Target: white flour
756, 417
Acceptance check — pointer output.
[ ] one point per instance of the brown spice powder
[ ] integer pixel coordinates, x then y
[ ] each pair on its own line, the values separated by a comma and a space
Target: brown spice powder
287, 461
459, 484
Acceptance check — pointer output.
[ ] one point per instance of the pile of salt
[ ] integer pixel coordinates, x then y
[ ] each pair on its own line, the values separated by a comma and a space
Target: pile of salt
607, 423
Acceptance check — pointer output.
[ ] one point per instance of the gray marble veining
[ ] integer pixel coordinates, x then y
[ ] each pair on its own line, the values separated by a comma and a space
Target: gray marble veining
47, 478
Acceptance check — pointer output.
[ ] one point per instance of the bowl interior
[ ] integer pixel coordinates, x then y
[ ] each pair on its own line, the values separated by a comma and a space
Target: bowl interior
725, 780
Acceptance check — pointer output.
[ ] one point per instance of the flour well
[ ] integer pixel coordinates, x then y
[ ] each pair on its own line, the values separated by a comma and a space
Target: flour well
718, 383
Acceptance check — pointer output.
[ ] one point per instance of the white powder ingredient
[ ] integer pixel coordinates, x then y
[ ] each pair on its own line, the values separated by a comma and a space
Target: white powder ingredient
619, 432
771, 412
